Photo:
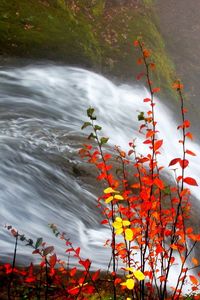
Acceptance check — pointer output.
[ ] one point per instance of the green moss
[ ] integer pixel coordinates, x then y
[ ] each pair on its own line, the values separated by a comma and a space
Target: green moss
91, 36
98, 8
148, 2
30, 28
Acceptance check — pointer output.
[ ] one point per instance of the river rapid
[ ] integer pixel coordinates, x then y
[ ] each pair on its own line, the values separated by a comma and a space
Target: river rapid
42, 178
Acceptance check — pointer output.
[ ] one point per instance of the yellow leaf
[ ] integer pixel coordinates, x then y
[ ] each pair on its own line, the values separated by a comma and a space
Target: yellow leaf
118, 219
117, 225
130, 284
130, 269
126, 223
109, 199
128, 234
129, 276
118, 197
109, 190
119, 231
139, 275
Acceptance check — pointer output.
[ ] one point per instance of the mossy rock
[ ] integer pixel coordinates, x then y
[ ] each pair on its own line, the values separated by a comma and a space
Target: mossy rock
91, 36
41, 29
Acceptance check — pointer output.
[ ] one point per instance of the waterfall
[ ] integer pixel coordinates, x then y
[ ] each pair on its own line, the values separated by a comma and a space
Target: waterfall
42, 178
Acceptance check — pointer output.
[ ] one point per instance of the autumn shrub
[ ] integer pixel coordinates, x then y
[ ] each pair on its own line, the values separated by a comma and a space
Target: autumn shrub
147, 212
151, 240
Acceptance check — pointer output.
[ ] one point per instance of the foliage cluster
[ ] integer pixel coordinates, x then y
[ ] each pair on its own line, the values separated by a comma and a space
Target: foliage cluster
148, 220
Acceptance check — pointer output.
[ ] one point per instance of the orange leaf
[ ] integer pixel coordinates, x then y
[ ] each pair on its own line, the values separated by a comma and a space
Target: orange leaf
189, 135
194, 280
146, 53
152, 66
52, 260
162, 278
158, 144
195, 261
190, 181
159, 183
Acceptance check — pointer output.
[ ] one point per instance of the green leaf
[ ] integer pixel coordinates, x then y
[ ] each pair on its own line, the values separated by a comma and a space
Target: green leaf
90, 112
141, 116
91, 136
86, 124
104, 140
38, 242
97, 127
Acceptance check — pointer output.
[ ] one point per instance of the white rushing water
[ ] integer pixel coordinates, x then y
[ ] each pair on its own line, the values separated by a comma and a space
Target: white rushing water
42, 109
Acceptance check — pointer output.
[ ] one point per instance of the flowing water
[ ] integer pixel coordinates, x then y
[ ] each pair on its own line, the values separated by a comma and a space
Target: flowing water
42, 178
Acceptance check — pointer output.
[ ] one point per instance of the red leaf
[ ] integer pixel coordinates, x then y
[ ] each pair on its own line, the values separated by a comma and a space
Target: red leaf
158, 144
186, 123
147, 100
150, 133
184, 163
89, 289
36, 251
190, 152
104, 222
147, 142
73, 291
190, 181
73, 271
179, 178
159, 249
77, 251
174, 161
96, 275
69, 250
130, 152
117, 281
8, 268
162, 278
86, 263
156, 90
52, 260
30, 279
107, 156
